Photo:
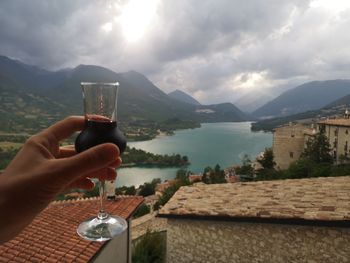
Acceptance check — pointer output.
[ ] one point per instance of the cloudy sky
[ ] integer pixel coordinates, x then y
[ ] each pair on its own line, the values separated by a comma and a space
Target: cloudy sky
215, 50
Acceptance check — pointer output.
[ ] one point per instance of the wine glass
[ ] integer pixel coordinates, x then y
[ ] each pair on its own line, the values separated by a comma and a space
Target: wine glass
100, 106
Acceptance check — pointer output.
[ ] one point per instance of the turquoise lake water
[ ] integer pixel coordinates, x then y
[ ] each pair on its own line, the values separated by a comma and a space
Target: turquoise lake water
213, 143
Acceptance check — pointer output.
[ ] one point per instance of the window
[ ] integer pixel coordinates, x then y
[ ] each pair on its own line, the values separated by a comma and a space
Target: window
336, 132
346, 146
291, 155
322, 128
346, 131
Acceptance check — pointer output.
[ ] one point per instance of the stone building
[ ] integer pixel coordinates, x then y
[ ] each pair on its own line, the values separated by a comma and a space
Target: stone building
338, 134
304, 220
288, 143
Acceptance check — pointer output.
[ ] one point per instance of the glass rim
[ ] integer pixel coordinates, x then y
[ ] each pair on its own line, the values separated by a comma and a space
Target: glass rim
99, 83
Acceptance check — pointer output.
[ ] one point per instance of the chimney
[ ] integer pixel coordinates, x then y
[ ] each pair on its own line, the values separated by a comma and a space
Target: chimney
110, 189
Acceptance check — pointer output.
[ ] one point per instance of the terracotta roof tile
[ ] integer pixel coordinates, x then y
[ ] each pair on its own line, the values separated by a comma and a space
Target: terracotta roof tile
51, 237
50, 260
325, 199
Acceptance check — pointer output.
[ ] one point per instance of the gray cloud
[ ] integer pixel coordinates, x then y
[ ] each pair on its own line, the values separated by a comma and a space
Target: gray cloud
216, 50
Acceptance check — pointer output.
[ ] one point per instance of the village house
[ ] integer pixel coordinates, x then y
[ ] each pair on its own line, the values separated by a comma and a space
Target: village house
338, 134
289, 142
52, 236
195, 178
304, 220
160, 188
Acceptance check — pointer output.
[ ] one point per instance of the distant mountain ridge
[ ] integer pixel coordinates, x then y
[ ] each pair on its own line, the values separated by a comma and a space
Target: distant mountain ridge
184, 97
309, 96
335, 108
139, 99
344, 101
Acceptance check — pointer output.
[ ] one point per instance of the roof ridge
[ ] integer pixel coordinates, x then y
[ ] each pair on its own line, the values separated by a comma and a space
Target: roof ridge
323, 198
86, 199
80, 199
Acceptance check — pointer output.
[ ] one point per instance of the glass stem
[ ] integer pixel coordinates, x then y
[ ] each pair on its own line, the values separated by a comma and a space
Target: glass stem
102, 213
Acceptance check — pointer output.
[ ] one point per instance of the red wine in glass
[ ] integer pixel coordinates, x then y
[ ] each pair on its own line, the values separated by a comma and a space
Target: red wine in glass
98, 132
100, 107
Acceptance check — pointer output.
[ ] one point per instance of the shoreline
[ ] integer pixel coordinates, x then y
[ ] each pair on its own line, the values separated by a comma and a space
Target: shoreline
161, 134
147, 165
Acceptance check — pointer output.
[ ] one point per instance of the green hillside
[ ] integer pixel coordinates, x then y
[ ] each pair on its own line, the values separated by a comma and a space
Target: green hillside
182, 96
24, 112
34, 98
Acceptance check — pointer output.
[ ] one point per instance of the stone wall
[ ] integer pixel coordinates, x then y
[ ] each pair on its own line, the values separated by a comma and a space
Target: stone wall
146, 223
208, 241
288, 144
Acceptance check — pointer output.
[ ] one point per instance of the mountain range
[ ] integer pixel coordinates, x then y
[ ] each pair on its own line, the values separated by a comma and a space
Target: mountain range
333, 109
35, 96
309, 96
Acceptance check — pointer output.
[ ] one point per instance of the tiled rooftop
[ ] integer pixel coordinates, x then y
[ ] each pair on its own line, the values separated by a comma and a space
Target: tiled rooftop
52, 236
336, 122
323, 199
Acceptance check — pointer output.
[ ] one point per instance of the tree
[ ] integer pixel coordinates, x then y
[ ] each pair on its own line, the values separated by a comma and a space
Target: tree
299, 169
168, 193
246, 168
130, 190
125, 190
217, 168
213, 176
206, 175
267, 160
151, 247
142, 210
182, 176
318, 149
219, 175
343, 159
149, 188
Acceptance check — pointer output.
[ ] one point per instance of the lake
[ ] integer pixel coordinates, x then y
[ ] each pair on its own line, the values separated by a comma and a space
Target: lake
213, 143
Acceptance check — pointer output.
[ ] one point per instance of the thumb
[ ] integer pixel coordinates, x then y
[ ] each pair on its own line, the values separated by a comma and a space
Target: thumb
89, 161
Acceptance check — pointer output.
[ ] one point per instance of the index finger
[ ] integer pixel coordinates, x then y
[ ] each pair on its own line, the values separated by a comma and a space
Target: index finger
66, 127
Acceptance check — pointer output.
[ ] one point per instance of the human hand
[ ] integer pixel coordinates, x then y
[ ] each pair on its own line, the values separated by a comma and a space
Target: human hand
42, 169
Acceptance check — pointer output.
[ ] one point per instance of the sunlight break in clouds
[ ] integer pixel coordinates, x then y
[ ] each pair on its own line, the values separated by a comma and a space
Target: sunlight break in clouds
334, 6
107, 27
136, 18
215, 50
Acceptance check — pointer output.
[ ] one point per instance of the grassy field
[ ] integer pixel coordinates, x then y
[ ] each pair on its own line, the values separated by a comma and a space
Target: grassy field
7, 145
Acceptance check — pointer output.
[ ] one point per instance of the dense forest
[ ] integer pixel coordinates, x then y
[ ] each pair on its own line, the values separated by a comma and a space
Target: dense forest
137, 157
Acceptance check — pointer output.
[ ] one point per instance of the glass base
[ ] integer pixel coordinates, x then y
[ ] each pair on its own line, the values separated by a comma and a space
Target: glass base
95, 229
